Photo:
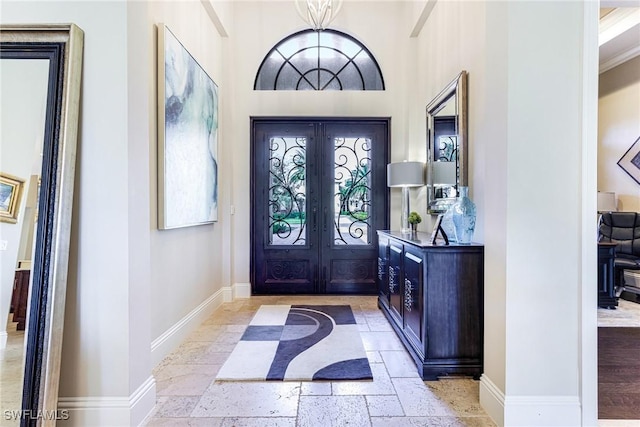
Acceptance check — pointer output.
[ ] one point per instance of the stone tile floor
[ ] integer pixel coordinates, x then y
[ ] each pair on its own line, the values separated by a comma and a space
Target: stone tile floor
188, 394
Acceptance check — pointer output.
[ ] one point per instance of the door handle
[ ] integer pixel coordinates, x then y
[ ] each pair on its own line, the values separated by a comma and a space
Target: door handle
315, 218
325, 219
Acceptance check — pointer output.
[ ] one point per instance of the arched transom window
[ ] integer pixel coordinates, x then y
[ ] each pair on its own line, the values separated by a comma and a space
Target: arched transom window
319, 60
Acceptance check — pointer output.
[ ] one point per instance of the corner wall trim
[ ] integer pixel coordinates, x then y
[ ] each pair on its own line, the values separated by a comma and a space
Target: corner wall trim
215, 19
3, 339
173, 336
132, 410
542, 411
492, 399
528, 410
241, 290
424, 15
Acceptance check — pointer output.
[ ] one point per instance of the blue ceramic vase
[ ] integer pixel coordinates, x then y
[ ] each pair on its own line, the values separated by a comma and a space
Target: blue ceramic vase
464, 217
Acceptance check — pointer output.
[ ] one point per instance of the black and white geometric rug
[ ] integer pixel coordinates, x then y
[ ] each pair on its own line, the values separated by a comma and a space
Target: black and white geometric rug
299, 343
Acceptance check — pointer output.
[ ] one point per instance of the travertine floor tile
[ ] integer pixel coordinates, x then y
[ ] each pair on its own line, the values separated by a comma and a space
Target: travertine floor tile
185, 422
381, 341
374, 357
249, 399
418, 400
333, 411
175, 406
185, 380
315, 388
432, 422
384, 406
188, 394
259, 422
399, 364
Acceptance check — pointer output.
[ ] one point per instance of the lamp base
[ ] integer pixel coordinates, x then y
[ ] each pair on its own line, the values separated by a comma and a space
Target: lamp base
405, 227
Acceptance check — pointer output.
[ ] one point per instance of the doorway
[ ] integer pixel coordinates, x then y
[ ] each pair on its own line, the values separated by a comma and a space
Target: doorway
318, 195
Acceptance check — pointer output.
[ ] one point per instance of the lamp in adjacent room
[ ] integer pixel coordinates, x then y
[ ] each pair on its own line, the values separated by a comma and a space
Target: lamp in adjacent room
405, 175
607, 201
318, 13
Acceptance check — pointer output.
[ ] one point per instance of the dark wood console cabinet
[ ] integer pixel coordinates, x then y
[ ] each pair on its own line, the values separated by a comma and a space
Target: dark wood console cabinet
433, 297
606, 283
19, 298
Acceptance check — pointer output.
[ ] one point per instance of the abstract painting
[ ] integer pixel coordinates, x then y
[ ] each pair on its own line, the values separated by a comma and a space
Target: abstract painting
10, 192
187, 137
630, 162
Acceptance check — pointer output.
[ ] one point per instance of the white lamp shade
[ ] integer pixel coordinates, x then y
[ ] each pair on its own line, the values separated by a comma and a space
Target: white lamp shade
444, 173
405, 174
607, 201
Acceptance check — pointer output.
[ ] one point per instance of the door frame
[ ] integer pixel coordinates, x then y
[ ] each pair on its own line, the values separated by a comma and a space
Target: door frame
309, 119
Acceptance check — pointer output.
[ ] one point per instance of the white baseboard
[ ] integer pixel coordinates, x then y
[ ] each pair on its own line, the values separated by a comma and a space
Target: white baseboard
492, 400
227, 294
539, 411
242, 290
3, 339
109, 411
173, 336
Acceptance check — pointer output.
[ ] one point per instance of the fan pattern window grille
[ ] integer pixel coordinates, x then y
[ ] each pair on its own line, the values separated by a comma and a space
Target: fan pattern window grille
319, 60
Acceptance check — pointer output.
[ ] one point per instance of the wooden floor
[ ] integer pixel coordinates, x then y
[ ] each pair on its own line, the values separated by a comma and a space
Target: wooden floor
619, 373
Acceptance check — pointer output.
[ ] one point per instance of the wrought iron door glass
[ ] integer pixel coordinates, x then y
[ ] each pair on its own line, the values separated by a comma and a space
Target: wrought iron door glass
287, 191
352, 191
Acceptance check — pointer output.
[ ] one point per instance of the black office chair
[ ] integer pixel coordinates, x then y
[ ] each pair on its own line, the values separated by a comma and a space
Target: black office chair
623, 228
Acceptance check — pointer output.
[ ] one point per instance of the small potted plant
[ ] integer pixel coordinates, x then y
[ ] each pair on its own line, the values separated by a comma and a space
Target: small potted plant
414, 220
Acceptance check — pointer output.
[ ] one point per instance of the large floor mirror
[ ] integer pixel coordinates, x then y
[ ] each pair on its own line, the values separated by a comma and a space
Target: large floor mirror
40, 72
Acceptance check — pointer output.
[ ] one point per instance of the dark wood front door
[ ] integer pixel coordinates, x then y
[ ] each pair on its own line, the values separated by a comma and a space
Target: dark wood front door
318, 196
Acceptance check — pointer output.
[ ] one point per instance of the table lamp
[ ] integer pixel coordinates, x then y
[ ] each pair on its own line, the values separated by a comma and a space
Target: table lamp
607, 201
405, 175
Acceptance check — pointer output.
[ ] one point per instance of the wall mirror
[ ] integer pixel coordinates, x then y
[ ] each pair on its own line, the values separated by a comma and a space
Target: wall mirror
447, 145
40, 71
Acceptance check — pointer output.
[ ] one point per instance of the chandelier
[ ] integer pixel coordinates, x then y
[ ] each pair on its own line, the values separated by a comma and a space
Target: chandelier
318, 13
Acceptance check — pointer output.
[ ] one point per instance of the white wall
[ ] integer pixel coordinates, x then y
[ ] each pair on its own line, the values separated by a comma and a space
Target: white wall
526, 157
618, 128
188, 263
22, 112
96, 355
257, 27
128, 282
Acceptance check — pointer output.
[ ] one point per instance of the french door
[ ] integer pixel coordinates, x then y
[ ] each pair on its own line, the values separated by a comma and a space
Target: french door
318, 196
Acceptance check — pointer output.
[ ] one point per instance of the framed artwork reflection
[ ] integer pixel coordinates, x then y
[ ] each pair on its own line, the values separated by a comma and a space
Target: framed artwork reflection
630, 161
10, 195
187, 137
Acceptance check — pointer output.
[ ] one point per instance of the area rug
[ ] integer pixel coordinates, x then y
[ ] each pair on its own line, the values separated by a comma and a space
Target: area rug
618, 373
299, 343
